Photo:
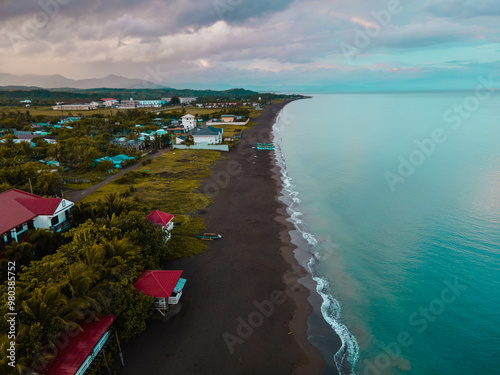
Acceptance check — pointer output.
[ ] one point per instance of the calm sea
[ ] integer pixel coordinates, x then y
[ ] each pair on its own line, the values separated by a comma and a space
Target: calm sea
397, 197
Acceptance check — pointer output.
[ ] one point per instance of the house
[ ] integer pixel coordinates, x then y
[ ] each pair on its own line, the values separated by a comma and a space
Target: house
165, 286
128, 104
22, 211
150, 103
187, 100
86, 106
180, 140
208, 135
23, 136
79, 349
40, 125
163, 220
188, 122
228, 118
50, 162
131, 143
118, 161
110, 102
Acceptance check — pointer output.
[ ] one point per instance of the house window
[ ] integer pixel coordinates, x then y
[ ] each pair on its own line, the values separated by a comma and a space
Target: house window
19, 228
55, 220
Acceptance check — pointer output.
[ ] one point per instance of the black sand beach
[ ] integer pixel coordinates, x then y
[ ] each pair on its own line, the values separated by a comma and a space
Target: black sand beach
243, 311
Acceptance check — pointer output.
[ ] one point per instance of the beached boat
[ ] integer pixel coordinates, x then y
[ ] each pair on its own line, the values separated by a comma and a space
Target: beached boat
265, 146
209, 236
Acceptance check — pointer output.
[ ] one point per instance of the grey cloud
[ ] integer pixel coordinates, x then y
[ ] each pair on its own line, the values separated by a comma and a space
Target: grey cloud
174, 14
463, 8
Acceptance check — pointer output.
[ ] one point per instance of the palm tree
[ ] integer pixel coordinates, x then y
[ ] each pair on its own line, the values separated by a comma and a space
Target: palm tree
43, 304
84, 289
120, 254
113, 202
23, 253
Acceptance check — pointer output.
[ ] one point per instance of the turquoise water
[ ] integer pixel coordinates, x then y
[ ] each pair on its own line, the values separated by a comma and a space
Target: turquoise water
408, 261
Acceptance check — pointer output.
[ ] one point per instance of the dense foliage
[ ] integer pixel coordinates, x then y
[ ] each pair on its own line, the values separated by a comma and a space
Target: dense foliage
90, 275
11, 96
19, 164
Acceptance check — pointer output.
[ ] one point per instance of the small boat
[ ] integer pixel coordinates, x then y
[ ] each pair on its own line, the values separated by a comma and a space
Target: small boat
209, 236
265, 146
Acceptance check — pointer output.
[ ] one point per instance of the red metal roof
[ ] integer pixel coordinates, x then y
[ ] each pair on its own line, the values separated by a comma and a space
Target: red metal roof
159, 284
72, 356
40, 206
18, 207
13, 212
160, 218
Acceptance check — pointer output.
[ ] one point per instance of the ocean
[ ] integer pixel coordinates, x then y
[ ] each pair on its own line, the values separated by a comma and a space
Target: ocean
395, 198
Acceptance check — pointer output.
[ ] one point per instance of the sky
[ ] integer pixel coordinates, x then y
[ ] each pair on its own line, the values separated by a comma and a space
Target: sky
278, 45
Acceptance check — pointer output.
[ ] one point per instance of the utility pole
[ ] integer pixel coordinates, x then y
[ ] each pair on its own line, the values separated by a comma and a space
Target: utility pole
119, 349
31, 187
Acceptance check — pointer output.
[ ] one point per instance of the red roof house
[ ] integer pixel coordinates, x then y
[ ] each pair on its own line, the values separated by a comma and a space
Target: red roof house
81, 349
160, 218
163, 220
22, 211
166, 286
158, 283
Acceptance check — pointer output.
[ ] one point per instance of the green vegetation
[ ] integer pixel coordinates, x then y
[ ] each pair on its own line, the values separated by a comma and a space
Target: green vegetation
89, 271
91, 274
11, 96
18, 166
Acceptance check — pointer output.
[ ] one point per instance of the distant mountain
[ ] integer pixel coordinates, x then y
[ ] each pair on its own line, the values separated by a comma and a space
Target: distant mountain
59, 81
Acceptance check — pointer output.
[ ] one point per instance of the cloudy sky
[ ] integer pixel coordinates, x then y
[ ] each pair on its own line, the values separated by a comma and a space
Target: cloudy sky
264, 44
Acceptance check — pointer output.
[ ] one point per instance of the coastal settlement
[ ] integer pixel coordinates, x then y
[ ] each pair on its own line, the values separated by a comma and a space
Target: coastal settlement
88, 264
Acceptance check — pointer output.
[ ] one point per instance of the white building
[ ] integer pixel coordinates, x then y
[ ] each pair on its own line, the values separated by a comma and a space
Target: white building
150, 103
188, 122
209, 135
76, 107
110, 102
188, 100
128, 104
23, 211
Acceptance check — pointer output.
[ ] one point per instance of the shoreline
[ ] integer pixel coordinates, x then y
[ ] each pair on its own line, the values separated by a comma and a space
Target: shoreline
318, 332
242, 310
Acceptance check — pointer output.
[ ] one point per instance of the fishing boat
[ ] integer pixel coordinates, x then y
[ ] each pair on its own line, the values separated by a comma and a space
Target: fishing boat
265, 146
209, 236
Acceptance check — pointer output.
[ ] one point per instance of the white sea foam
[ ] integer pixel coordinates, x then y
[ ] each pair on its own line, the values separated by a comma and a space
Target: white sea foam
348, 355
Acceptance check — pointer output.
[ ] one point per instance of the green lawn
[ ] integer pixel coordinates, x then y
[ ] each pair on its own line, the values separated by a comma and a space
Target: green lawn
48, 111
170, 183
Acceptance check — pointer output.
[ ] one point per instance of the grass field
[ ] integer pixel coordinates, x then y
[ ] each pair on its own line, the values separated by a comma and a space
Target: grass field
48, 111
170, 182
171, 185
